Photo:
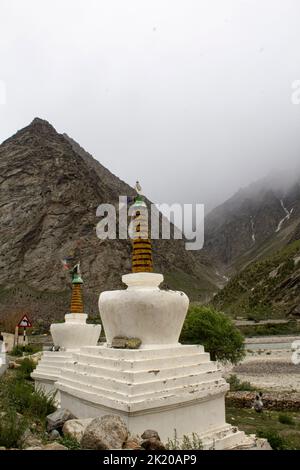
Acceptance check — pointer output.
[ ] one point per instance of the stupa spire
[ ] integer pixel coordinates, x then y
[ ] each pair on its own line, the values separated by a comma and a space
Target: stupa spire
76, 300
142, 247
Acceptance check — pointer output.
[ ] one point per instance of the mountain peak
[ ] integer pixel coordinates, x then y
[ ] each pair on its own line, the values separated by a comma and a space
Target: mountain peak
41, 125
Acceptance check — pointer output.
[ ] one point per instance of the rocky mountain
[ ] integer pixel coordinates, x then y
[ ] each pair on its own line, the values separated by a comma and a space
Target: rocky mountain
50, 189
265, 289
256, 222
253, 239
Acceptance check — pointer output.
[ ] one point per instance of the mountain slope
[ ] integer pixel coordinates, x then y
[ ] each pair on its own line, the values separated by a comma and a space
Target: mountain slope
50, 189
255, 223
265, 289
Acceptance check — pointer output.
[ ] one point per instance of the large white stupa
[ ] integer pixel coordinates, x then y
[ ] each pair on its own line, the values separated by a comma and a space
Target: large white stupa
163, 385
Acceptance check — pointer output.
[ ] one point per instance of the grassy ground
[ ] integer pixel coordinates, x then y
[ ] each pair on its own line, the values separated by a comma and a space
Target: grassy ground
282, 429
21, 407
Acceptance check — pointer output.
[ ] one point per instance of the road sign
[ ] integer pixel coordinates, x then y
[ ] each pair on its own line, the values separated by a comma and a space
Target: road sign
25, 322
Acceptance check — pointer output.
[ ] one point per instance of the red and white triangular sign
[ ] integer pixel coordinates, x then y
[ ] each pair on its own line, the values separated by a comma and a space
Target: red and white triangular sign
25, 322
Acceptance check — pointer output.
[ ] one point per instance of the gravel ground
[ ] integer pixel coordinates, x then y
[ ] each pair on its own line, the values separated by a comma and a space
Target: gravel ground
272, 370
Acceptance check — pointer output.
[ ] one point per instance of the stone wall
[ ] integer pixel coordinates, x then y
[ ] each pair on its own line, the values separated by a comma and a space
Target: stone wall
271, 400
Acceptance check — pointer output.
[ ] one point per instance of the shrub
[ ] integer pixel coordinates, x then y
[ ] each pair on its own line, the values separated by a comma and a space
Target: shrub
11, 429
69, 442
27, 366
17, 351
286, 419
275, 440
27, 349
215, 331
186, 443
25, 399
236, 385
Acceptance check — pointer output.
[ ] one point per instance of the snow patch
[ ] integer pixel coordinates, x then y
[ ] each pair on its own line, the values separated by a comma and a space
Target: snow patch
252, 227
286, 217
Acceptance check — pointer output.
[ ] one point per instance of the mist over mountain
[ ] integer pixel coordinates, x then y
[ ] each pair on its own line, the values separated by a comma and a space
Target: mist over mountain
263, 215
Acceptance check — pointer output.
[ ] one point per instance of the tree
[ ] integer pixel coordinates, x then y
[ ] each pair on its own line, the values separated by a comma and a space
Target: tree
215, 331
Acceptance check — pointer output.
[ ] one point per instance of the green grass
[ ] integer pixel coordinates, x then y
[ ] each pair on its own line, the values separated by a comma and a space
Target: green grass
21, 407
11, 429
19, 395
69, 442
290, 328
27, 349
236, 385
267, 424
254, 293
26, 367
284, 418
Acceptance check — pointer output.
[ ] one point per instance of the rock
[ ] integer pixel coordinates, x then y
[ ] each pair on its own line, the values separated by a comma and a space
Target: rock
57, 419
132, 444
123, 342
262, 444
76, 427
54, 446
13, 365
133, 343
54, 434
34, 448
33, 357
28, 439
149, 433
152, 444
119, 342
108, 432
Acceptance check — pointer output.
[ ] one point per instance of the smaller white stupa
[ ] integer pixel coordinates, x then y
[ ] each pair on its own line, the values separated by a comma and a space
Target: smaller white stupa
68, 337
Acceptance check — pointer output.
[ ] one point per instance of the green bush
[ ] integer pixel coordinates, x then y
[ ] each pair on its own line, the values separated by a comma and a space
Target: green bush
286, 419
11, 429
69, 442
27, 366
27, 349
275, 440
236, 385
24, 398
215, 331
17, 351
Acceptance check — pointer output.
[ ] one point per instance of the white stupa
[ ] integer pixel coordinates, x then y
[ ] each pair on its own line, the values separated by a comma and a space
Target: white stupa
68, 337
163, 385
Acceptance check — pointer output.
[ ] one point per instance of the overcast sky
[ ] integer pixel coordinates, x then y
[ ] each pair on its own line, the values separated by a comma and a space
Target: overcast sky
191, 97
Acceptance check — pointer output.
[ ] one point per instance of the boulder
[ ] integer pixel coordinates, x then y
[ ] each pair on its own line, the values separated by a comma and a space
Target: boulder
35, 358
54, 434
28, 439
54, 446
119, 342
149, 433
133, 343
57, 419
76, 428
108, 432
132, 443
123, 342
13, 365
152, 444
34, 448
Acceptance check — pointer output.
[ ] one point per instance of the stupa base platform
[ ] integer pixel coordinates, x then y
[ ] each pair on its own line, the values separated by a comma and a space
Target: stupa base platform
48, 371
172, 389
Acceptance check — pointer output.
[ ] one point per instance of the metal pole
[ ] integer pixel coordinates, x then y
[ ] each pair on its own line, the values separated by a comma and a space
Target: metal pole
24, 337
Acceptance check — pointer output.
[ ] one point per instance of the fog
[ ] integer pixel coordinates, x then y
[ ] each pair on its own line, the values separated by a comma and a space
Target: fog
193, 98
